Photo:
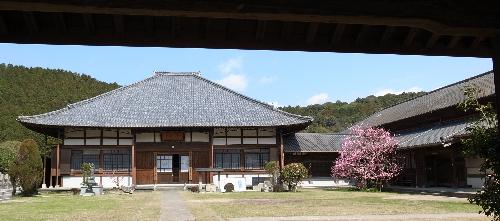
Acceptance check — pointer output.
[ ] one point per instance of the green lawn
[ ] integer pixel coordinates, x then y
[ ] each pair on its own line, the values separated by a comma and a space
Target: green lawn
64, 206
316, 202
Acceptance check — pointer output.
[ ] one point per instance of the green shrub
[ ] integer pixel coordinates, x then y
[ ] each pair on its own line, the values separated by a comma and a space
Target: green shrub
87, 169
273, 169
229, 187
8, 154
28, 167
292, 174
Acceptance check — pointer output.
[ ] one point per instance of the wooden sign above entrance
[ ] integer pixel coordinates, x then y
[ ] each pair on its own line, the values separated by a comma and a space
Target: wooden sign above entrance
167, 136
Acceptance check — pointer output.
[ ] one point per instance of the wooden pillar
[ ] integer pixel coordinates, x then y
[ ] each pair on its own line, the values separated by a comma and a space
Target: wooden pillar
134, 175
453, 170
58, 154
496, 71
44, 185
211, 155
282, 153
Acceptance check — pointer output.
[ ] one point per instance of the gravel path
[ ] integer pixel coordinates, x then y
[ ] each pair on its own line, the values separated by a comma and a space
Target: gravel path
173, 207
443, 216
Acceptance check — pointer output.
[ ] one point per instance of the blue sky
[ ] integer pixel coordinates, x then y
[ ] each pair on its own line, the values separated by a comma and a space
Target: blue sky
285, 78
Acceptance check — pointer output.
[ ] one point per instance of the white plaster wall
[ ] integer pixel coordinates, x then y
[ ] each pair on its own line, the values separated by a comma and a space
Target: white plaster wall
145, 137
107, 182
475, 182
267, 140
107, 141
93, 141
247, 177
249, 140
73, 142
200, 137
125, 142
219, 141
232, 140
72, 181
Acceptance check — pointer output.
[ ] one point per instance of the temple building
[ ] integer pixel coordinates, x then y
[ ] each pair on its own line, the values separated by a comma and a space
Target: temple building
428, 129
165, 129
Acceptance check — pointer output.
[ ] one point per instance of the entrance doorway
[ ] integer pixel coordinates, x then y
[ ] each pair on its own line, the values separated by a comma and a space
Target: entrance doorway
172, 168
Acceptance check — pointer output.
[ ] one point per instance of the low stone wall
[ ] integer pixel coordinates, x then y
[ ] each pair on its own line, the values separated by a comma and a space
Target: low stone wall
5, 187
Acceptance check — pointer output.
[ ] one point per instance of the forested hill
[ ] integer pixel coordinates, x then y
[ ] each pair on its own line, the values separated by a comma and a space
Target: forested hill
335, 117
28, 91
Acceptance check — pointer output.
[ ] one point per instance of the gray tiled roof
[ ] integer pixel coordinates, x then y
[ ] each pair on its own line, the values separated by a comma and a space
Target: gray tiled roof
312, 142
168, 100
432, 135
435, 100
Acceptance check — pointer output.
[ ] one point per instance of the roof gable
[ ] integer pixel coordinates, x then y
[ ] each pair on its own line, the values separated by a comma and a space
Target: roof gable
168, 100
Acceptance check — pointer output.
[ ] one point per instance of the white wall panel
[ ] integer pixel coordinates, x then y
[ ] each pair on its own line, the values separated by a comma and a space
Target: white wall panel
73, 142
93, 141
219, 141
109, 141
250, 140
125, 142
233, 141
267, 140
201, 137
144, 137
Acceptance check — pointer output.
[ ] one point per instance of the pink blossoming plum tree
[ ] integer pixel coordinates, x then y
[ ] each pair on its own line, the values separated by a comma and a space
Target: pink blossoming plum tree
367, 156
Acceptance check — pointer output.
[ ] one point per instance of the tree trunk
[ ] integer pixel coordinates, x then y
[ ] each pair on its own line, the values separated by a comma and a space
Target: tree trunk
13, 183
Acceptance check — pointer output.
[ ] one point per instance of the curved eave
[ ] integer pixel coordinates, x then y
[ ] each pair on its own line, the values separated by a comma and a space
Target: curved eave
52, 130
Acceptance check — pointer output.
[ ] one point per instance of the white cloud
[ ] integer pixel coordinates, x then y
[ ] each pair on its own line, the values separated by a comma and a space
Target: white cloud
318, 99
267, 79
233, 76
231, 66
275, 104
234, 81
392, 91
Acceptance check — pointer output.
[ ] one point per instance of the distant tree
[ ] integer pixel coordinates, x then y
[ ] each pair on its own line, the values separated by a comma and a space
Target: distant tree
367, 156
8, 155
28, 167
483, 143
28, 91
292, 174
335, 117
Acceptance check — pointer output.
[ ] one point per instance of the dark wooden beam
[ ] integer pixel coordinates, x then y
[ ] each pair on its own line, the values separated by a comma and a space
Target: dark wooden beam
260, 30
118, 21
286, 30
454, 41
337, 34
31, 25
3, 26
410, 37
60, 22
362, 35
89, 23
365, 13
149, 25
476, 42
311, 32
173, 27
432, 40
386, 36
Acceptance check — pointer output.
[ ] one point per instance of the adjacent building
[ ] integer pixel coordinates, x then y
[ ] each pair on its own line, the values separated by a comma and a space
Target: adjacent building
428, 128
163, 130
